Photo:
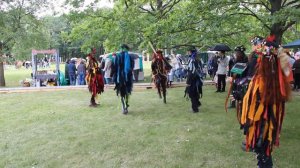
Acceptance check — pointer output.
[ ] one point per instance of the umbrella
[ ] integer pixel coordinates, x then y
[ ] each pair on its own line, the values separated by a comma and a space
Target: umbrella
220, 47
292, 44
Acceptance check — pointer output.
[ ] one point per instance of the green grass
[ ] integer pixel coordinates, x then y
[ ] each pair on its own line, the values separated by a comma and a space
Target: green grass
14, 76
58, 129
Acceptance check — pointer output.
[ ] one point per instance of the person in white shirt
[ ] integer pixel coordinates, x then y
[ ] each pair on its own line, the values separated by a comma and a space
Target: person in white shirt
107, 70
136, 69
223, 62
178, 68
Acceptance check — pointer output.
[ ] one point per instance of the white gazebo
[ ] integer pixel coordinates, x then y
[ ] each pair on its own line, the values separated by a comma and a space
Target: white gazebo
36, 76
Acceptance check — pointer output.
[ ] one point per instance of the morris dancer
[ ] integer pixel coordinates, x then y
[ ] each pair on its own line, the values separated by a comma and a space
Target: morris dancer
160, 68
123, 76
94, 78
264, 102
194, 80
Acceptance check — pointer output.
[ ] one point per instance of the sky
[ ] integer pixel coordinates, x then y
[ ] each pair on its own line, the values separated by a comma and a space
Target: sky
58, 7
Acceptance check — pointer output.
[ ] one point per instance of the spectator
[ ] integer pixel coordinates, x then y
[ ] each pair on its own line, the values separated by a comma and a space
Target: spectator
136, 69
178, 68
112, 74
296, 68
46, 62
222, 71
210, 67
107, 70
67, 72
230, 64
214, 66
81, 71
72, 72
170, 72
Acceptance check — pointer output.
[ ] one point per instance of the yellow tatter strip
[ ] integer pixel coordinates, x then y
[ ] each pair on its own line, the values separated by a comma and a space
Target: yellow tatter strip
245, 104
251, 133
261, 87
259, 111
265, 130
253, 102
270, 132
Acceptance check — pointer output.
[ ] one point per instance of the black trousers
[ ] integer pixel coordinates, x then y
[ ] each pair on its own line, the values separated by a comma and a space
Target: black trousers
297, 81
221, 82
194, 96
136, 75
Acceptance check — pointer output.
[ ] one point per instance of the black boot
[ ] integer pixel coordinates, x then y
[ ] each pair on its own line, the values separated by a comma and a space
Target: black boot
264, 161
124, 106
93, 102
165, 96
232, 104
195, 110
125, 111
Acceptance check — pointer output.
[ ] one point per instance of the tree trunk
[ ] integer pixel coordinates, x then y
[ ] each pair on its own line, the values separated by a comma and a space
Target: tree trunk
2, 79
278, 37
277, 30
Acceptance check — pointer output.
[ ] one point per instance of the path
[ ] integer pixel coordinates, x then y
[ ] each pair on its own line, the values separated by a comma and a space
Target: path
83, 87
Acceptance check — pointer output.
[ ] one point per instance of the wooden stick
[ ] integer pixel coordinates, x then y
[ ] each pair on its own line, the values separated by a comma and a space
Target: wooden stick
152, 47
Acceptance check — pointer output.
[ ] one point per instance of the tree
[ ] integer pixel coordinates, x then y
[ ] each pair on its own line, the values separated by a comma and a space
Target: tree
17, 19
177, 23
58, 29
275, 16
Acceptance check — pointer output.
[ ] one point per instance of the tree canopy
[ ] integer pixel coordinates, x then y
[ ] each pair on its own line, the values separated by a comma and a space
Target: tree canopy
179, 23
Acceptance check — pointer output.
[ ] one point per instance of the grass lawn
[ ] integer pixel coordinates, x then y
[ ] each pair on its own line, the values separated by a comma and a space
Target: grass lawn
58, 129
13, 76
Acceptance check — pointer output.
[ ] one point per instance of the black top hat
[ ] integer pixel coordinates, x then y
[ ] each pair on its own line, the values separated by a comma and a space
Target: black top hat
271, 41
124, 46
240, 48
192, 49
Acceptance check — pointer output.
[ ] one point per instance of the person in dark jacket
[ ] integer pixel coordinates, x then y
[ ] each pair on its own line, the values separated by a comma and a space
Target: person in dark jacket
296, 68
72, 72
67, 72
194, 81
81, 71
